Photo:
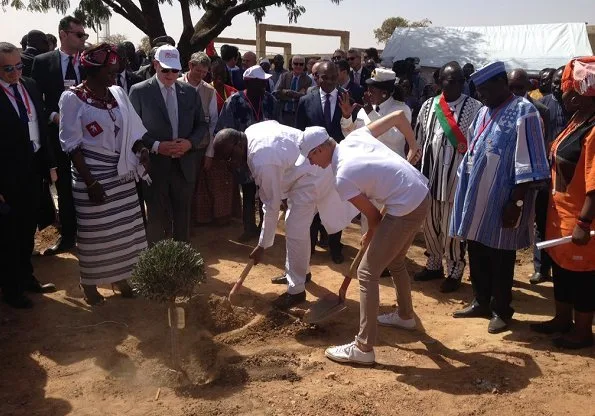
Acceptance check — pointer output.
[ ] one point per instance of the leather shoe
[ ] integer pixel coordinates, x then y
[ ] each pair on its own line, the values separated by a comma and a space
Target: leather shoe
475, 310
337, 258
61, 246
426, 275
497, 324
287, 301
573, 345
450, 284
282, 280
18, 301
539, 278
36, 287
551, 327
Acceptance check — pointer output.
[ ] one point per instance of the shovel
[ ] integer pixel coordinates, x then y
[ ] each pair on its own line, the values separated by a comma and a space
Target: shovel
331, 304
241, 279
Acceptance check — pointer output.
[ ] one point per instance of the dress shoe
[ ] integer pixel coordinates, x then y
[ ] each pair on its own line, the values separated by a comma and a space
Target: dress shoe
287, 301
450, 284
282, 280
91, 295
573, 345
497, 324
61, 246
426, 275
539, 278
551, 327
475, 310
337, 258
18, 301
126, 291
35, 287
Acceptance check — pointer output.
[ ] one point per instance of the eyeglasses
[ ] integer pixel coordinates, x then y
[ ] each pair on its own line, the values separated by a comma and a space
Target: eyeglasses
80, 35
168, 70
11, 68
298, 64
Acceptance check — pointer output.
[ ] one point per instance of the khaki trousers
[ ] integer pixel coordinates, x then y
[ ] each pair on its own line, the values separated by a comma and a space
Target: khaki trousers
388, 249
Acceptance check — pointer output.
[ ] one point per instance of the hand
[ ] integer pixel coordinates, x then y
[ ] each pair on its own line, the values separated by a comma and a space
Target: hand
208, 162
257, 254
284, 205
96, 193
182, 146
347, 108
580, 237
367, 237
53, 175
2, 200
367, 98
414, 154
165, 148
56, 119
510, 214
145, 160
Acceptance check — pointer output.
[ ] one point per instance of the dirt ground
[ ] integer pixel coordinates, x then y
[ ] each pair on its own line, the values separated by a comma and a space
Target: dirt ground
63, 357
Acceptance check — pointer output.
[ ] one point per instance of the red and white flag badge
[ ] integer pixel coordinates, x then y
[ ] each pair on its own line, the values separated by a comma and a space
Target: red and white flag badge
94, 129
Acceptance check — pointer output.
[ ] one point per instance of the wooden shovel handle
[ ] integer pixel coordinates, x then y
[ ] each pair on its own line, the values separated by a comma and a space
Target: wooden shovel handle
242, 277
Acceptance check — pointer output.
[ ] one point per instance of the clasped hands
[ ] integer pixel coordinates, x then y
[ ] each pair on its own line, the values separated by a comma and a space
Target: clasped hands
175, 148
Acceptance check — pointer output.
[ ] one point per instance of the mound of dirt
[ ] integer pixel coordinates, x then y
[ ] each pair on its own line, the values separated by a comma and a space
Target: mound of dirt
265, 366
216, 314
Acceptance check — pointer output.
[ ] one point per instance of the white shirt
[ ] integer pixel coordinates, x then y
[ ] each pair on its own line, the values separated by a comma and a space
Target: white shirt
212, 115
32, 115
333, 99
394, 139
75, 62
364, 165
163, 89
122, 76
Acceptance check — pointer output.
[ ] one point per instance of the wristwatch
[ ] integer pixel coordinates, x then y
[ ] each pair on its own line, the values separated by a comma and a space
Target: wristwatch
519, 203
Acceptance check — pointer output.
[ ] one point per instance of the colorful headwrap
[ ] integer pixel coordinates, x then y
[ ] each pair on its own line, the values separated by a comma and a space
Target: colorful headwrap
579, 75
100, 55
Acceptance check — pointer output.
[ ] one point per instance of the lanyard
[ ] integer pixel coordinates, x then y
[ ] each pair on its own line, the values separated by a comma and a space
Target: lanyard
256, 114
485, 125
27, 105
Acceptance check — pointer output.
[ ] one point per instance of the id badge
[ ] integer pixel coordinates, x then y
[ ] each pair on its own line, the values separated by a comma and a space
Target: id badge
469, 164
68, 83
34, 134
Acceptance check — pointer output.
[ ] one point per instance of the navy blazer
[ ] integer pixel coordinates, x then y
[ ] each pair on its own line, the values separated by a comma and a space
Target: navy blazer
366, 74
309, 113
236, 78
355, 92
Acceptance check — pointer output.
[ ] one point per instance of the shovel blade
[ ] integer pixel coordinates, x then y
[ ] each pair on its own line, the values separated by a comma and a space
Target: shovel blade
325, 308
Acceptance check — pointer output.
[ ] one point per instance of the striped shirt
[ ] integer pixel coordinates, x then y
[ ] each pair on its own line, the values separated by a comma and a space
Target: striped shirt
558, 118
503, 153
440, 159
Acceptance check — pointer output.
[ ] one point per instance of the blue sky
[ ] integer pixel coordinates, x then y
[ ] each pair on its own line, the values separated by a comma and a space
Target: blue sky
360, 17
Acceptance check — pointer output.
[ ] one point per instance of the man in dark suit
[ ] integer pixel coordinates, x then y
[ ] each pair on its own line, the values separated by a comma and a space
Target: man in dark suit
290, 88
24, 160
54, 72
356, 93
37, 43
125, 78
321, 108
359, 74
172, 113
235, 75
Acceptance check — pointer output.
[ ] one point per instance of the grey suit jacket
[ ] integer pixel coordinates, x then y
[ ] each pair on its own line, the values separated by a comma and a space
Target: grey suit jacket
149, 104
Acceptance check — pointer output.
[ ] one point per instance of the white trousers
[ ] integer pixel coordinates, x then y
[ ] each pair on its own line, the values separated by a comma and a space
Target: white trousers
297, 245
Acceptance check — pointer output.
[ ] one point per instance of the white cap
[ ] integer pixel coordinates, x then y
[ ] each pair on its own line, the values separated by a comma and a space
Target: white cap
168, 57
381, 75
311, 139
265, 61
256, 72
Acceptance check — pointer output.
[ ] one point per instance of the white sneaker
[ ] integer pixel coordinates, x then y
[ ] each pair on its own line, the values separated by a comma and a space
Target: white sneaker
393, 319
350, 353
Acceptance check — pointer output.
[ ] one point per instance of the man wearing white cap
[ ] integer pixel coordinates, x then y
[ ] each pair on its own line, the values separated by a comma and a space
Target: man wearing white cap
270, 150
172, 113
367, 171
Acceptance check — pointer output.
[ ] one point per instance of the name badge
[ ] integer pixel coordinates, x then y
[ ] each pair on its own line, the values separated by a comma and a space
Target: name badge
68, 83
34, 134
469, 164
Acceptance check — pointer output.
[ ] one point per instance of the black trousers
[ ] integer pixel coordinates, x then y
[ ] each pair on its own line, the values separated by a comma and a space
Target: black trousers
249, 207
492, 274
17, 233
541, 260
66, 212
574, 288
334, 240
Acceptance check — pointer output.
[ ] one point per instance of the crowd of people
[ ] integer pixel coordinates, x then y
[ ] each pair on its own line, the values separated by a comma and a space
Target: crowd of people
141, 149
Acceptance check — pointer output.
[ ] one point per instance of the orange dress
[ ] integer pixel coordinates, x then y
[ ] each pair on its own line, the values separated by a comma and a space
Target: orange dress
573, 176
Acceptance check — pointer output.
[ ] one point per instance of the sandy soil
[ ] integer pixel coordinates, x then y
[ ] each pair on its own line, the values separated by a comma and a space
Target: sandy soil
63, 357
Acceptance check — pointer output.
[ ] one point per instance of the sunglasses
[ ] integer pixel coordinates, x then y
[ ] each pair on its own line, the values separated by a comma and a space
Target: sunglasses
352, 58
337, 58
80, 35
167, 71
298, 64
11, 68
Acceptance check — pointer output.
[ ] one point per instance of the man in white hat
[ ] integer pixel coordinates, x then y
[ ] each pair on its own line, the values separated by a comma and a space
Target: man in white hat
366, 170
270, 150
174, 139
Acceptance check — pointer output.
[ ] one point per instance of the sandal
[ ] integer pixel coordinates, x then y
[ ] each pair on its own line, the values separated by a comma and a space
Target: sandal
125, 290
91, 295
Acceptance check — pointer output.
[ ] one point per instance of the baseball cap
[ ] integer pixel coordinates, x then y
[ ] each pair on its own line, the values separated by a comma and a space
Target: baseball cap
256, 72
168, 57
311, 139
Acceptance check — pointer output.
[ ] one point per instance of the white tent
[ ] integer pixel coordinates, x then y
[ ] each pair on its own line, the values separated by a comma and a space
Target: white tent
531, 47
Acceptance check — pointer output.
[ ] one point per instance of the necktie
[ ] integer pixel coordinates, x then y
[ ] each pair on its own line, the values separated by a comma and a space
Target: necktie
21, 106
120, 84
171, 111
70, 72
327, 111
377, 109
294, 87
